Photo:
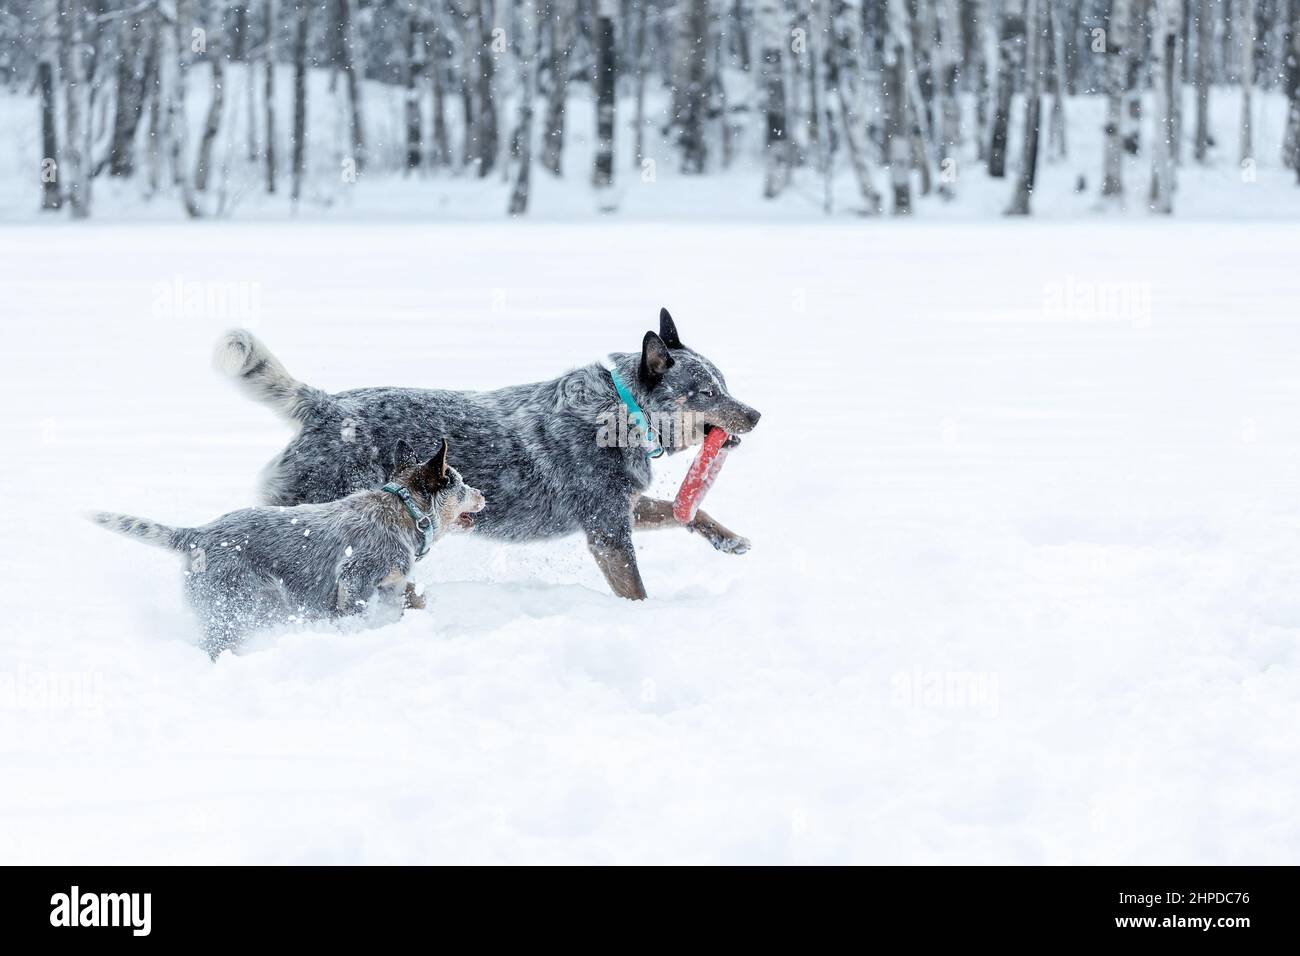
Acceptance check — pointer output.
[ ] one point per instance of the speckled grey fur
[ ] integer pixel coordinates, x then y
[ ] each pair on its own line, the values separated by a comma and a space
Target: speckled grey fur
532, 449
259, 567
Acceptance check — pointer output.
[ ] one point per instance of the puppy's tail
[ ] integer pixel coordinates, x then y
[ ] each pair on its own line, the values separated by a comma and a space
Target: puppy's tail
244, 358
150, 532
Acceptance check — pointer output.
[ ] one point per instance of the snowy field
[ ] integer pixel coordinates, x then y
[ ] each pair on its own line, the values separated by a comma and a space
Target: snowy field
1023, 586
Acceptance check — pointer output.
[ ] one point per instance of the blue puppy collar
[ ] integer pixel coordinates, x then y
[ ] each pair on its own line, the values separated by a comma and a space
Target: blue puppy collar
635, 417
423, 521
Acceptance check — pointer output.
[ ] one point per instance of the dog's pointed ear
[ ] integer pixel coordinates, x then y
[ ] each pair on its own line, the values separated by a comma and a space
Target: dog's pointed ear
655, 360
668, 330
403, 456
433, 473
439, 461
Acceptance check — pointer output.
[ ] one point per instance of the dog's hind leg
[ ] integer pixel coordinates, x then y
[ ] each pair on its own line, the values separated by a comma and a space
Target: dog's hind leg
616, 558
652, 513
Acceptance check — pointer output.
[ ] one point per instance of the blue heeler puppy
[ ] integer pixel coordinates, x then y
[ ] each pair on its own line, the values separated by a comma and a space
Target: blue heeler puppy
537, 451
264, 566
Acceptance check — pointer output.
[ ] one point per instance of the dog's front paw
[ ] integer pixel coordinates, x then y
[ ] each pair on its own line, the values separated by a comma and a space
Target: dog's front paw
412, 600
732, 544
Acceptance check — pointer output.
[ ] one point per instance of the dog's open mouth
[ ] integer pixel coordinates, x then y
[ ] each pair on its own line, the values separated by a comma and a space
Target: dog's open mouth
465, 520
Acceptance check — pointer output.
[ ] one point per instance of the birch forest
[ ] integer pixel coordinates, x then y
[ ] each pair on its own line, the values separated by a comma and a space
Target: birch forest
869, 107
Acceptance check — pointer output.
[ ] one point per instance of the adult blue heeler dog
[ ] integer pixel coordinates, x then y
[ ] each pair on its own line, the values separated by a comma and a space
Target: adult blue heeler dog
534, 450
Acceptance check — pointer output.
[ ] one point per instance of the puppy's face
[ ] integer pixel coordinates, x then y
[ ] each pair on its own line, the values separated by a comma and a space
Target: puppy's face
455, 503
452, 503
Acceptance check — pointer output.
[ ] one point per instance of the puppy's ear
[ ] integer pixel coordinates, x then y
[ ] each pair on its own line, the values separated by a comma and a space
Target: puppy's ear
403, 456
668, 330
655, 360
439, 462
433, 473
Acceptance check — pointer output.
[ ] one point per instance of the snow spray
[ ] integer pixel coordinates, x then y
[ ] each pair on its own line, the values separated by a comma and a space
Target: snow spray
699, 479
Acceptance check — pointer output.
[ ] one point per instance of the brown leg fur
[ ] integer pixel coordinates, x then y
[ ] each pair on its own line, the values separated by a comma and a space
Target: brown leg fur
651, 513
413, 600
617, 561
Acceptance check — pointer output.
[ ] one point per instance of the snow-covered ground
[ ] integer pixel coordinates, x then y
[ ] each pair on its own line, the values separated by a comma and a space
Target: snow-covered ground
1023, 585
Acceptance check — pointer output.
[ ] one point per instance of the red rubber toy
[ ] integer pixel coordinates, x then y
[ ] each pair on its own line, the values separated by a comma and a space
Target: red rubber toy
699, 479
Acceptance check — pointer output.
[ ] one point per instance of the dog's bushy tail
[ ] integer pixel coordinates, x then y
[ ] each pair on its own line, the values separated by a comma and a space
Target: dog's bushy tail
150, 532
244, 358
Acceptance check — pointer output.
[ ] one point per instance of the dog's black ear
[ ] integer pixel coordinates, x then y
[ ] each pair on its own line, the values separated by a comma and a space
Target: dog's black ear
403, 456
655, 360
439, 462
668, 330
433, 473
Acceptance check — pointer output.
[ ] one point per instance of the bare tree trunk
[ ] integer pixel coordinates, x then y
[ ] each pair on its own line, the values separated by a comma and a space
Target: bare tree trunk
818, 133
741, 38
46, 75
603, 168
1139, 30
920, 71
130, 95
977, 24
1291, 81
1073, 36
302, 16
918, 95
718, 107
1246, 31
441, 154
76, 108
243, 53
950, 49
1057, 146
1176, 100
352, 76
772, 37
415, 67
268, 94
563, 23
1118, 55
175, 64
470, 52
695, 92
485, 110
1204, 39
896, 143
1169, 14
1011, 41
1024, 190
528, 43
794, 90
153, 85
216, 56
642, 68
845, 66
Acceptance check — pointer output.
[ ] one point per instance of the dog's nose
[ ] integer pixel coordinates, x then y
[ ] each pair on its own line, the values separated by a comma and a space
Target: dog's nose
754, 416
